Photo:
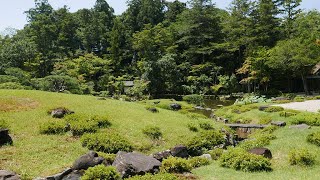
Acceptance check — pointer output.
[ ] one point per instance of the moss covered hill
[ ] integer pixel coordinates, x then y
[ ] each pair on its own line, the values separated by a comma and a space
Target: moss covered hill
35, 154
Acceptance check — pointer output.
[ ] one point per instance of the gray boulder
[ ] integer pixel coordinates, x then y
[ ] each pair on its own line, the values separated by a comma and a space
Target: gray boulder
262, 152
60, 112
90, 159
8, 175
130, 164
162, 155
5, 139
279, 123
206, 156
175, 106
179, 151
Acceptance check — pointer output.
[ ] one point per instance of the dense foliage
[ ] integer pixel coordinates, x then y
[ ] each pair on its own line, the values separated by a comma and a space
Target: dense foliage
314, 138
301, 157
164, 47
101, 172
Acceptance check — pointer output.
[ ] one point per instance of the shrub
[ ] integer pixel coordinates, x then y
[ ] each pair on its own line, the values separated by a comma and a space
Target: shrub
301, 157
53, 127
56, 83
314, 138
107, 142
78, 128
6, 79
317, 97
160, 176
239, 159
288, 113
23, 76
266, 120
299, 99
152, 132
3, 124
102, 121
194, 99
101, 172
204, 141
274, 109
193, 127
215, 153
196, 162
108, 157
175, 165
206, 126
311, 119
12, 85
195, 115
238, 109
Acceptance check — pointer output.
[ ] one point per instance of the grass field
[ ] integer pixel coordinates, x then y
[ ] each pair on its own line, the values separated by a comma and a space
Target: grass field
34, 155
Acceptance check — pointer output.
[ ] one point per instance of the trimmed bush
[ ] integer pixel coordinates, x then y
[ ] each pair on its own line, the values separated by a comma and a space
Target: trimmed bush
288, 113
160, 176
311, 119
239, 159
6, 79
301, 157
206, 126
196, 162
107, 142
194, 99
215, 153
101, 172
108, 157
274, 109
314, 138
317, 97
195, 115
266, 120
78, 128
299, 99
102, 121
54, 127
152, 132
193, 127
175, 165
205, 140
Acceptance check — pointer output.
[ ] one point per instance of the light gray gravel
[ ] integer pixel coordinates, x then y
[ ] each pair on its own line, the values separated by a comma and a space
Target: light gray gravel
311, 106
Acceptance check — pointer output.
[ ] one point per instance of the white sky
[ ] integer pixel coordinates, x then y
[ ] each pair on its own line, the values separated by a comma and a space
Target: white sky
12, 11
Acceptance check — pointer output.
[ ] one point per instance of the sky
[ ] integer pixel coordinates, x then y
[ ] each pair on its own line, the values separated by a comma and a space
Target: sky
12, 11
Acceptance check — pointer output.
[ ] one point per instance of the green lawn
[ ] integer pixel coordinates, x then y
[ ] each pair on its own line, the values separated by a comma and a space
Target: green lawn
34, 155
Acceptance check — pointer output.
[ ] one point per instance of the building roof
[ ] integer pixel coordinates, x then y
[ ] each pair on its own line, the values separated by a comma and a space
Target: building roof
316, 69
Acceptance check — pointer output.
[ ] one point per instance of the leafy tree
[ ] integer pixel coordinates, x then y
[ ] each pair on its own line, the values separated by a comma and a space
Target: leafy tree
291, 10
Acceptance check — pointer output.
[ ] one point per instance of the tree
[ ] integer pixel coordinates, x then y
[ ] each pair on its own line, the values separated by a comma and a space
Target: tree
174, 9
291, 10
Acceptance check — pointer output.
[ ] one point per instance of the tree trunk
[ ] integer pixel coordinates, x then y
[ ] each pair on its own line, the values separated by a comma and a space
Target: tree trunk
305, 84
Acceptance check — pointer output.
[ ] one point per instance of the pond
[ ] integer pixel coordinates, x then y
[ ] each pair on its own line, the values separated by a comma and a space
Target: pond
212, 104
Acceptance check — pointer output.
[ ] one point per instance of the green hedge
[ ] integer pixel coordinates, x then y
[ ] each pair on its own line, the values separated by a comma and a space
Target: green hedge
101, 172
152, 132
196, 162
314, 138
205, 140
194, 99
160, 176
107, 142
301, 157
240, 159
175, 165
54, 127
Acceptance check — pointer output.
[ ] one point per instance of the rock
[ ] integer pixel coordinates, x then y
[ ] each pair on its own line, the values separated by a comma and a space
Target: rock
220, 106
199, 108
300, 126
5, 139
153, 110
262, 152
74, 175
206, 156
179, 151
262, 108
130, 164
60, 112
212, 116
90, 159
175, 106
280, 99
226, 121
62, 174
279, 123
162, 155
208, 109
8, 175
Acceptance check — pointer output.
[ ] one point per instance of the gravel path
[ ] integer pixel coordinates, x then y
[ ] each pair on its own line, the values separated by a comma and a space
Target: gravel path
311, 106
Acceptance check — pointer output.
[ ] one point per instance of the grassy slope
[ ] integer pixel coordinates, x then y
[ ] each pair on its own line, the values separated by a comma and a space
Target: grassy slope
287, 139
38, 155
